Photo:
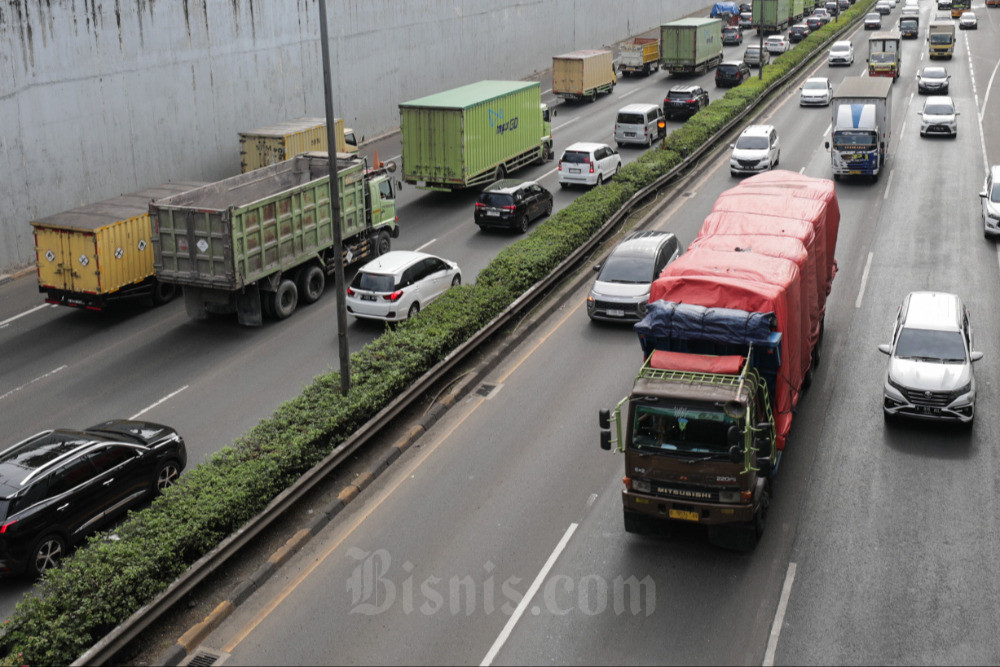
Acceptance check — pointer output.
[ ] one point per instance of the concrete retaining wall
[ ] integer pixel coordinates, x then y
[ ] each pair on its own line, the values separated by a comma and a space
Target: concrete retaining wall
104, 97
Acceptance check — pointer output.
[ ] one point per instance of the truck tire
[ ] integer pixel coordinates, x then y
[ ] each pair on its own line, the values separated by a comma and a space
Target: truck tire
284, 300
593, 96
311, 282
163, 292
500, 173
383, 244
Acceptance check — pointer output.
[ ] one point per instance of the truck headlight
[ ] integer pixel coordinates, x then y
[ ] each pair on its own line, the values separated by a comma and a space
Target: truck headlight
729, 497
641, 485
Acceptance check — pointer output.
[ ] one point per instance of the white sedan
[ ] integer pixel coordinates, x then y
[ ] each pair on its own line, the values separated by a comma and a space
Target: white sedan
841, 53
817, 91
777, 44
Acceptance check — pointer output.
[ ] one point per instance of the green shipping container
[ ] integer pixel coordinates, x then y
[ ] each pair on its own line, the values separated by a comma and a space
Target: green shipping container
691, 45
775, 14
473, 134
229, 234
798, 10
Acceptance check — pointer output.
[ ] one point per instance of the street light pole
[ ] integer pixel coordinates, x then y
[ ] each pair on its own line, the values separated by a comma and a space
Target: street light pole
338, 241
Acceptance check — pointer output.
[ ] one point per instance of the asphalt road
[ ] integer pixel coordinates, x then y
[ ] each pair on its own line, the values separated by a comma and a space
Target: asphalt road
499, 539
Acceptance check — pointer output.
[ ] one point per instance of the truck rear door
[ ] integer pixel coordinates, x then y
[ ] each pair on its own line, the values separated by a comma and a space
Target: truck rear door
67, 260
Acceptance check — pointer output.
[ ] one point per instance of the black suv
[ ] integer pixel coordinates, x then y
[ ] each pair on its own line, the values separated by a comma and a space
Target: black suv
814, 22
731, 73
732, 34
798, 32
512, 204
60, 485
684, 101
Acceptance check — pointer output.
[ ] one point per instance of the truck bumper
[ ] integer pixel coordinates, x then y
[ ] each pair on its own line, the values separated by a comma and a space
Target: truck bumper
685, 511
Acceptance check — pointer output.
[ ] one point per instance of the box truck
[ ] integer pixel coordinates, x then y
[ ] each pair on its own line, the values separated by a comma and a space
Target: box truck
692, 45
583, 75
941, 39
771, 16
94, 255
474, 134
639, 55
860, 128
260, 243
885, 54
278, 142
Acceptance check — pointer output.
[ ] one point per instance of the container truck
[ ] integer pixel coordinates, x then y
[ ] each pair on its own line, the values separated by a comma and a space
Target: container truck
884, 54
278, 142
641, 54
583, 75
474, 134
860, 129
725, 349
771, 15
691, 45
941, 39
94, 255
797, 11
259, 243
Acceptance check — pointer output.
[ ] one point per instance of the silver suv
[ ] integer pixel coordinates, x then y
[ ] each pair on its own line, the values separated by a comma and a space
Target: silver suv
930, 360
621, 290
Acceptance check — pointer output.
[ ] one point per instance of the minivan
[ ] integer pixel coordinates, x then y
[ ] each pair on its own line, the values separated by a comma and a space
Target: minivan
639, 124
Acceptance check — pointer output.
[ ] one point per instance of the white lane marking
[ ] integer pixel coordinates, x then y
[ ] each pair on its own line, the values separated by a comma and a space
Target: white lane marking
571, 120
888, 184
547, 91
526, 600
395, 159
779, 616
989, 87
864, 280
31, 382
624, 95
420, 249
802, 170
162, 400
27, 312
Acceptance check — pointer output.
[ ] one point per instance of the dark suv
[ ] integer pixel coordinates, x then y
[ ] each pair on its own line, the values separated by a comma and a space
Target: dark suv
798, 32
512, 204
60, 485
731, 73
732, 35
814, 23
684, 101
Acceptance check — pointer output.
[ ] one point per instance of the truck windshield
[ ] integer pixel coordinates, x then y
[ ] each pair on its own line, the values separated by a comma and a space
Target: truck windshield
681, 428
854, 140
941, 38
882, 58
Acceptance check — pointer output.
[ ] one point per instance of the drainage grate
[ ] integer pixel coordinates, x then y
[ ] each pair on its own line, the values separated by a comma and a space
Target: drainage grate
204, 658
488, 390
689, 194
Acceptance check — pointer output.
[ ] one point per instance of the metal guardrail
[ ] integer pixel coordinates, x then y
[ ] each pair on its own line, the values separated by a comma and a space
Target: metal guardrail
117, 639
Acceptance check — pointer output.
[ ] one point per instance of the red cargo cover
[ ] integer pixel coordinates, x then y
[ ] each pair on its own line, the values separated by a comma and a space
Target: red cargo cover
785, 247
697, 363
755, 297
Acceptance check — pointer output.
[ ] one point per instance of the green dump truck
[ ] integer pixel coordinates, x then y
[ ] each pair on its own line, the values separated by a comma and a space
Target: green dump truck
94, 255
690, 46
474, 134
259, 243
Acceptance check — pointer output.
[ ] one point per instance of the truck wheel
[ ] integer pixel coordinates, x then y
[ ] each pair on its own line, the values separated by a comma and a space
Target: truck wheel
500, 173
311, 283
285, 299
383, 244
593, 96
163, 292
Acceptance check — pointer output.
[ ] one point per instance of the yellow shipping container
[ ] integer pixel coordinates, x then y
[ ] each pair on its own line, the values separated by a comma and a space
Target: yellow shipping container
277, 143
583, 74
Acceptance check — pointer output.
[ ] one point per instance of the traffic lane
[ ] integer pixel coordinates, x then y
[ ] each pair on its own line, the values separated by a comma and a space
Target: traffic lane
983, 49
486, 494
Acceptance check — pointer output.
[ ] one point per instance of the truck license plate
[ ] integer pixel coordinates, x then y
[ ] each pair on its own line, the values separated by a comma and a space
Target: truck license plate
612, 312
683, 516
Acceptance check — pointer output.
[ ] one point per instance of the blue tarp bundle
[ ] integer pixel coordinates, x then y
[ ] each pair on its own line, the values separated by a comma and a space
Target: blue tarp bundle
720, 8
666, 319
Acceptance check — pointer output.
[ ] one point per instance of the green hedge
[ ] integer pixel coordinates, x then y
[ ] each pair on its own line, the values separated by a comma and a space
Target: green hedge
106, 580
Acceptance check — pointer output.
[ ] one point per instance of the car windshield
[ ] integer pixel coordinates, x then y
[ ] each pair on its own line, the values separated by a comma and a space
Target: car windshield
873, 17
841, 48
680, 95
856, 139
625, 269
373, 282
815, 85
939, 110
995, 193
681, 428
933, 73
930, 345
751, 143
576, 156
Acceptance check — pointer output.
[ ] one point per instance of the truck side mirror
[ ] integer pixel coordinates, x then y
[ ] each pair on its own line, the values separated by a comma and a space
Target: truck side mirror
764, 465
827, 144
605, 440
734, 436
735, 454
604, 419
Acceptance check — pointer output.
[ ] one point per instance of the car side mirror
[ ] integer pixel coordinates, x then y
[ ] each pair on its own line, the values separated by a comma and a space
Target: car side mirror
976, 355
983, 194
885, 348
958, 113
597, 267
826, 144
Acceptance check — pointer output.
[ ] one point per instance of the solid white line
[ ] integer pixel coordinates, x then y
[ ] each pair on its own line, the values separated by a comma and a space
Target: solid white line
571, 120
526, 600
864, 281
624, 95
779, 616
888, 184
802, 170
425, 245
989, 87
162, 400
27, 312
40, 377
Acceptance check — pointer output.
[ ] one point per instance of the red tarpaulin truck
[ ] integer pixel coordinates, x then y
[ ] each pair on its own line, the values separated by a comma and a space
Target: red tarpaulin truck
729, 341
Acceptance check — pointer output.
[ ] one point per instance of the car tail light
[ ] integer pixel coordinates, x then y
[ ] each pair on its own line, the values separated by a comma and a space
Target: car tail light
6, 526
591, 166
350, 292
480, 204
690, 101
560, 165
508, 208
395, 296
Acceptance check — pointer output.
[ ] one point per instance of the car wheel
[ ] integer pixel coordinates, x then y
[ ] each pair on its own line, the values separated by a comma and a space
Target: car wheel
456, 281
600, 180
548, 209
285, 299
165, 477
311, 283
163, 292
563, 186
47, 554
522, 224
414, 309
617, 168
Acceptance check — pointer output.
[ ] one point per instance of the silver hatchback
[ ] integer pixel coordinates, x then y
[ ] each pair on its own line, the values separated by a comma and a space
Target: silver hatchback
930, 360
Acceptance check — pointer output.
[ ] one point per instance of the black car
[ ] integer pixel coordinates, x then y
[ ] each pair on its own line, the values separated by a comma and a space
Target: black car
731, 73
732, 34
60, 485
511, 203
798, 32
684, 101
814, 23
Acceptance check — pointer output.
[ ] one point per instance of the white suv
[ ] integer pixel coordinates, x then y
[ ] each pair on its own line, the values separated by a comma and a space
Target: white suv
990, 197
930, 360
398, 284
588, 164
756, 150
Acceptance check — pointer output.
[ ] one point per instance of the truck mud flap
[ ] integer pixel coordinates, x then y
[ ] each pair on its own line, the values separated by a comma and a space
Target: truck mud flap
248, 310
194, 304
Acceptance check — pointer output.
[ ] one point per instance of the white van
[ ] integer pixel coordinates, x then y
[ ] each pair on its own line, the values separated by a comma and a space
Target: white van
639, 124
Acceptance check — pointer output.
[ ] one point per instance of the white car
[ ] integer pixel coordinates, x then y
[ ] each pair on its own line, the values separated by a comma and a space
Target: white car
586, 163
777, 44
756, 150
967, 21
990, 197
938, 116
841, 53
816, 91
398, 284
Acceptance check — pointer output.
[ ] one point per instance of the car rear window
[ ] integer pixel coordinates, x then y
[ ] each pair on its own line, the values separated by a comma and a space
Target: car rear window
728, 69
680, 95
631, 119
373, 282
496, 199
575, 156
